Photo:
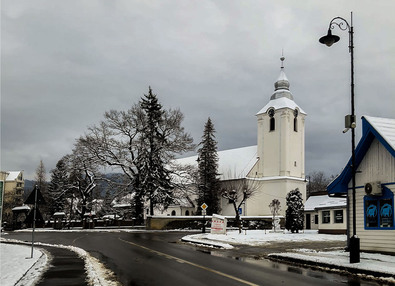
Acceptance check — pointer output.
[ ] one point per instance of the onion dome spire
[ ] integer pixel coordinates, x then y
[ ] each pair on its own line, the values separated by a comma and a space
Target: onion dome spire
281, 86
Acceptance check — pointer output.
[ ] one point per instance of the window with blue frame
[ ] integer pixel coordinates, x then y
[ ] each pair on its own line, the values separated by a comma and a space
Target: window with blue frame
379, 210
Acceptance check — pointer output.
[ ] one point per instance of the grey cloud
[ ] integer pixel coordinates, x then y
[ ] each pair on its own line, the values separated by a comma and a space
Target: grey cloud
65, 63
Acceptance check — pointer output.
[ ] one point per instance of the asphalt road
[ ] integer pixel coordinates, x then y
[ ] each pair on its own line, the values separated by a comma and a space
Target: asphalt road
158, 258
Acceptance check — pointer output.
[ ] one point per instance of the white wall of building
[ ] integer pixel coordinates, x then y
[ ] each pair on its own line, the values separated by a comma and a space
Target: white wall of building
377, 165
334, 224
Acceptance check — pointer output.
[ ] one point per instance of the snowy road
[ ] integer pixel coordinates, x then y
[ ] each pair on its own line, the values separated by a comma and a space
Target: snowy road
157, 258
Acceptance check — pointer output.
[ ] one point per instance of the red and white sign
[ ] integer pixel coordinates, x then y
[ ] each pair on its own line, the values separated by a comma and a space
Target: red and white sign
218, 224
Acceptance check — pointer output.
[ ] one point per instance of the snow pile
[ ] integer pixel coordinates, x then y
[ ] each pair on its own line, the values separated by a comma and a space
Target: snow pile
28, 270
98, 274
260, 237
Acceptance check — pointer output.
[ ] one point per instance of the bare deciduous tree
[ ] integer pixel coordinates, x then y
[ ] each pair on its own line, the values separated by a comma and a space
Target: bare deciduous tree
237, 191
83, 170
275, 207
317, 182
121, 142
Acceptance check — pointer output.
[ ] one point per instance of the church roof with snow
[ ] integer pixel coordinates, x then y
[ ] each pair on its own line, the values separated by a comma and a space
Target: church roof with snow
232, 163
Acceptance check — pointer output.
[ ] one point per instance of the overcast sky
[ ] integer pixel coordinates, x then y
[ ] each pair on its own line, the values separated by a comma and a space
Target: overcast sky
64, 63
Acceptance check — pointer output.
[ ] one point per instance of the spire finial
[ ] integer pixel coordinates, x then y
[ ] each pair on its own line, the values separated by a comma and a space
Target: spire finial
282, 58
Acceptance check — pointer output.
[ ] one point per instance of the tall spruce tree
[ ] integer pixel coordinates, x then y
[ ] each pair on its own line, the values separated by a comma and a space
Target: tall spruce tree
294, 213
208, 170
58, 187
154, 176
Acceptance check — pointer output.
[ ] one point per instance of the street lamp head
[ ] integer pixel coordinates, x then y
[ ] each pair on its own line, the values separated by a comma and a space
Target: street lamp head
329, 39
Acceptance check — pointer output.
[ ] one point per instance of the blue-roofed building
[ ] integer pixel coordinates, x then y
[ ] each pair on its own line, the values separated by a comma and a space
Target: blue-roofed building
375, 185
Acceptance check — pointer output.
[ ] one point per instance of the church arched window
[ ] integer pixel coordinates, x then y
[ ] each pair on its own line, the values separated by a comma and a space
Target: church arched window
296, 120
272, 123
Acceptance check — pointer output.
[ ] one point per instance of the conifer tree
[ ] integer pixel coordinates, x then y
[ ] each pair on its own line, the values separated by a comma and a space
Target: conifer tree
294, 213
208, 170
154, 176
58, 187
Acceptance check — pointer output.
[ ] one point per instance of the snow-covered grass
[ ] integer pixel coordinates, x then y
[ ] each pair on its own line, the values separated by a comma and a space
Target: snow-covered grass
261, 237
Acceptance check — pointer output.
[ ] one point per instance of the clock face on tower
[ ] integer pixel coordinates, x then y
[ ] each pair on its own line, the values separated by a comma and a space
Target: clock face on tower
271, 112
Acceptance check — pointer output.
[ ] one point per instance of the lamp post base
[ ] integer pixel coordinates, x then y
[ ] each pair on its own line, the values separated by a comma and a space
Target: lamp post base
354, 249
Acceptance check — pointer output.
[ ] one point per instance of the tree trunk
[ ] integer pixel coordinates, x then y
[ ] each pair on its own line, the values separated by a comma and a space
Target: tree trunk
238, 222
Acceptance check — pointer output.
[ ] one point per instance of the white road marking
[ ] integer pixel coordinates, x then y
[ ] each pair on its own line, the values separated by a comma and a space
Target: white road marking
180, 260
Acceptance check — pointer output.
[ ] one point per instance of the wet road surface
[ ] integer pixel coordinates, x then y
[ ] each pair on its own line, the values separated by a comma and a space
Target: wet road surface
158, 258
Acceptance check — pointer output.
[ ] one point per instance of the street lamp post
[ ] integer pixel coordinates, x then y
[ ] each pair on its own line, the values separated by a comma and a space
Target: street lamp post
329, 40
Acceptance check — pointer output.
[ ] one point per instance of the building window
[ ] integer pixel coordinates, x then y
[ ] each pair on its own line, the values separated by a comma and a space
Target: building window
379, 210
272, 120
316, 219
338, 216
173, 213
296, 112
326, 217
186, 212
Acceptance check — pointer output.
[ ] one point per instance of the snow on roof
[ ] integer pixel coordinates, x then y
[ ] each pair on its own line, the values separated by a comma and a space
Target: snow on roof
324, 201
232, 163
13, 175
183, 202
282, 102
385, 127
122, 206
123, 201
382, 129
59, 214
21, 208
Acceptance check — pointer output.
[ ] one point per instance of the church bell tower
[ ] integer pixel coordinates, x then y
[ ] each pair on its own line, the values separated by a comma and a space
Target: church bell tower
281, 134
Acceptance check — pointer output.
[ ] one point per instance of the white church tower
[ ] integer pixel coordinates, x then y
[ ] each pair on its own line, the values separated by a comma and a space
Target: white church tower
280, 165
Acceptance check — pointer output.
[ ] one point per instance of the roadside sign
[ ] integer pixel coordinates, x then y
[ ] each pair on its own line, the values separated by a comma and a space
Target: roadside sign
204, 206
204, 212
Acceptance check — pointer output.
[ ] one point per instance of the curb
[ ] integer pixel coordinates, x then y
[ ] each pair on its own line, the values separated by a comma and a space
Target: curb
202, 243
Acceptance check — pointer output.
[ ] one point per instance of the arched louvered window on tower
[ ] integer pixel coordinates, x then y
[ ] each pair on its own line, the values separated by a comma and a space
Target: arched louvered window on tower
272, 123
296, 112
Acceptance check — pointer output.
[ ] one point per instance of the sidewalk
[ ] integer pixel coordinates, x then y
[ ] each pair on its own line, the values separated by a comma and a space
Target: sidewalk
65, 268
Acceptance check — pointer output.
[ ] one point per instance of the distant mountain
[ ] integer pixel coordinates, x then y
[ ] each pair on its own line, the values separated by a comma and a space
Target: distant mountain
101, 189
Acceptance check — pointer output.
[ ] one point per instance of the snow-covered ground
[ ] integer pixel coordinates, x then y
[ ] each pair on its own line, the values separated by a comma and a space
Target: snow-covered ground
17, 266
28, 271
259, 238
